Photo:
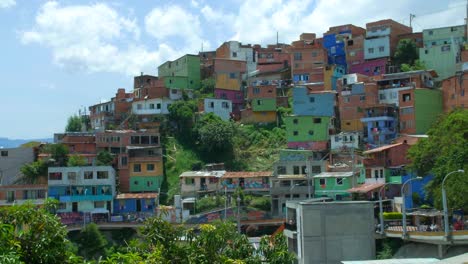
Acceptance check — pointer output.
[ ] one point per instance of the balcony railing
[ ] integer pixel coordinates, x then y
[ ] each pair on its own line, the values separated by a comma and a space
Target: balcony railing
80, 198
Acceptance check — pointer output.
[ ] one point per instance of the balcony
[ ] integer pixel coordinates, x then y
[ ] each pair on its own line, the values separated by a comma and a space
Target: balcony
80, 198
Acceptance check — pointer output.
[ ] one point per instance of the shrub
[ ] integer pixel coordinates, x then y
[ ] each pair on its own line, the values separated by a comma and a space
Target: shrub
392, 215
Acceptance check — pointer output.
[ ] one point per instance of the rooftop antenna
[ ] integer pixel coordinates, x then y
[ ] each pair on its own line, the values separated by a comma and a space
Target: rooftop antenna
277, 42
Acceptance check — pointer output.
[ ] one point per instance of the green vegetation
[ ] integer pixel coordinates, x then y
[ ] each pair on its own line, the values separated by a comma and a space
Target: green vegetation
417, 65
29, 234
58, 153
76, 161
104, 158
73, 124
32, 171
406, 52
392, 216
442, 152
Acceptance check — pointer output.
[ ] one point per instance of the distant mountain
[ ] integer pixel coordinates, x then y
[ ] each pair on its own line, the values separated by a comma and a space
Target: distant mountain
13, 143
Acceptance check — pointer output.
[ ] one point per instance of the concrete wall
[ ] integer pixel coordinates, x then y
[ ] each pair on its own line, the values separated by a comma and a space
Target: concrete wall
428, 106
332, 232
11, 160
219, 107
151, 106
442, 59
307, 128
377, 48
313, 104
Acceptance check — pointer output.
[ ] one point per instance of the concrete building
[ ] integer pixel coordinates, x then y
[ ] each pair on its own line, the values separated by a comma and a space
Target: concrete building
19, 194
308, 132
234, 50
330, 232
335, 184
198, 183
149, 87
380, 124
182, 73
154, 106
257, 182
11, 161
382, 38
442, 49
335, 41
345, 141
82, 189
261, 103
219, 107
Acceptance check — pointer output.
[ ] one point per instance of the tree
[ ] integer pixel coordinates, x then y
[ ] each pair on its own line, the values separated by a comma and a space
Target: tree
58, 153
91, 242
406, 52
208, 85
35, 234
181, 113
417, 65
76, 161
32, 171
214, 135
275, 249
442, 152
104, 158
73, 124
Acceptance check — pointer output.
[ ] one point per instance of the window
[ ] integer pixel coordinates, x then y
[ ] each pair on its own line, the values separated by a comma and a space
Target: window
316, 169
234, 54
362, 98
322, 182
145, 140
232, 75
370, 50
382, 96
339, 181
296, 169
154, 140
407, 110
295, 133
10, 196
151, 106
406, 97
304, 169
225, 104
381, 49
101, 175
71, 176
311, 99
462, 93
295, 121
150, 167
55, 176
136, 167
189, 181
4, 153
158, 106
352, 53
139, 106
281, 170
297, 56
426, 52
123, 161
149, 183
135, 140
100, 204
311, 132
88, 175
317, 120
62, 206
314, 54
350, 43
376, 174
174, 91
430, 32
381, 173
211, 105
256, 90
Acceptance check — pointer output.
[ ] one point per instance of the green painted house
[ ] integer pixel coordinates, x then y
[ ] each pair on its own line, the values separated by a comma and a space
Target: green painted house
183, 73
263, 104
427, 106
334, 184
307, 128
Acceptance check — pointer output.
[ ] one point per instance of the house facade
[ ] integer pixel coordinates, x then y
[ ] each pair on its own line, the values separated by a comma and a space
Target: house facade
219, 107
380, 124
182, 73
453, 92
82, 189
308, 58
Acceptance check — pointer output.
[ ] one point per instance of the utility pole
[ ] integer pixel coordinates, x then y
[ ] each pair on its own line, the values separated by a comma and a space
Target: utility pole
411, 16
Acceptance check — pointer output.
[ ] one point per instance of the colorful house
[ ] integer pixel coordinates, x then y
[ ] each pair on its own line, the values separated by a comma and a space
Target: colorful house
308, 58
381, 123
82, 189
306, 103
21, 193
219, 107
257, 182
382, 38
442, 49
199, 183
145, 168
453, 91
112, 112
334, 184
154, 106
182, 73
261, 103
308, 132
126, 203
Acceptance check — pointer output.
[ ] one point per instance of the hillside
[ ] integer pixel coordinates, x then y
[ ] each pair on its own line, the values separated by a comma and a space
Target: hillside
13, 143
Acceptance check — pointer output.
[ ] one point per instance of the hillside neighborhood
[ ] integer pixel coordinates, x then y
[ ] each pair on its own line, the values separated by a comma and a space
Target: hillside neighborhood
319, 138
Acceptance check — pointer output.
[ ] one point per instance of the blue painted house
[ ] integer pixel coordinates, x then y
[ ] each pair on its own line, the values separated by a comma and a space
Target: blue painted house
307, 103
335, 46
131, 203
381, 122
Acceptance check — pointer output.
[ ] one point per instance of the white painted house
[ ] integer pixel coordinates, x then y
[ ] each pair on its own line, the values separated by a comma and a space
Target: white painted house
345, 140
151, 106
220, 107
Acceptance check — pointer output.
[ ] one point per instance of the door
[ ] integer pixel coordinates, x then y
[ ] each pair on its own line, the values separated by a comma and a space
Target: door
203, 186
138, 205
75, 207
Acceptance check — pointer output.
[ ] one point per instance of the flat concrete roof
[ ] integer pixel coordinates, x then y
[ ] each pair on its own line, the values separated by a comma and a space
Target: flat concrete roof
393, 261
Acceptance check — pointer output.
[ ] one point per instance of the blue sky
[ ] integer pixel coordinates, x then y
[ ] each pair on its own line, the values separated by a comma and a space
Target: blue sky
57, 57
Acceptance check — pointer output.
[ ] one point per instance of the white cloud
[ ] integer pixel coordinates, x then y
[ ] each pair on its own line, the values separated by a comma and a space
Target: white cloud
257, 21
170, 22
7, 3
92, 38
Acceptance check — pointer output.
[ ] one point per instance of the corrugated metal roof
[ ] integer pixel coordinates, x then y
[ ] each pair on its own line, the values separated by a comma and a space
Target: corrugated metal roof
335, 174
136, 196
379, 149
203, 174
365, 188
247, 174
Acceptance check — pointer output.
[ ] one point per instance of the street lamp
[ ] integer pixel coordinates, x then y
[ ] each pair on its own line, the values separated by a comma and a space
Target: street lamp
444, 203
380, 206
238, 214
403, 208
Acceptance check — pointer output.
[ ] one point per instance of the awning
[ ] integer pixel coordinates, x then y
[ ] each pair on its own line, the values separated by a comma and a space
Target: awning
365, 188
